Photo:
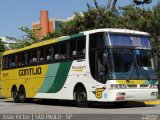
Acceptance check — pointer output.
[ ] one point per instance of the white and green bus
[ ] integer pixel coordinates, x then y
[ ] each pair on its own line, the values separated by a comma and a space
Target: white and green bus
102, 65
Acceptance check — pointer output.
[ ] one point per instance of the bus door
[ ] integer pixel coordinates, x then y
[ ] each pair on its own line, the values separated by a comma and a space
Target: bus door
101, 66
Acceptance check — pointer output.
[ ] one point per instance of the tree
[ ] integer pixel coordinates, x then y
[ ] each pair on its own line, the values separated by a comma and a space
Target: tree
2, 47
96, 4
157, 6
29, 38
30, 34
111, 4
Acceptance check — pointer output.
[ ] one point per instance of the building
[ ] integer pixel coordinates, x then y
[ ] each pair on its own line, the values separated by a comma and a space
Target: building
8, 42
46, 24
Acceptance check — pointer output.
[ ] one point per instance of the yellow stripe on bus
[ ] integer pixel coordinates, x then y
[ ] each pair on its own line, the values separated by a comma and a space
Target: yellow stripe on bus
130, 81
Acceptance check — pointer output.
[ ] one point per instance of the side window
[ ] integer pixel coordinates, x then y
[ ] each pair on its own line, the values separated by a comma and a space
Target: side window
23, 58
63, 51
96, 41
5, 62
29, 57
48, 53
56, 55
72, 48
12, 61
77, 47
81, 46
41, 57
34, 56
17, 61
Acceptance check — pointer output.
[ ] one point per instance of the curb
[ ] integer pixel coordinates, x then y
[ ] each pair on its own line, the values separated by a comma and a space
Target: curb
156, 102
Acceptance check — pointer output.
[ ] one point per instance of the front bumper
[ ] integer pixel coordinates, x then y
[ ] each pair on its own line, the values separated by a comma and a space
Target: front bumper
132, 94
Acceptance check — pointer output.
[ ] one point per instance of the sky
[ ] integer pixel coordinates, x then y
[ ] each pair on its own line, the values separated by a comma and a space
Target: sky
17, 13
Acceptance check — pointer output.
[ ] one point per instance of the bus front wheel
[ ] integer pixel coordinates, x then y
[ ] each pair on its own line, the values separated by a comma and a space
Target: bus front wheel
81, 97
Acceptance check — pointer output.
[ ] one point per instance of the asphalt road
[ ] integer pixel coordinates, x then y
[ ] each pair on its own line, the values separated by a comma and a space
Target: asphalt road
68, 110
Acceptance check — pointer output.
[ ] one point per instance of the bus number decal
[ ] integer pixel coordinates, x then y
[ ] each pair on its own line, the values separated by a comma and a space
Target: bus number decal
5, 74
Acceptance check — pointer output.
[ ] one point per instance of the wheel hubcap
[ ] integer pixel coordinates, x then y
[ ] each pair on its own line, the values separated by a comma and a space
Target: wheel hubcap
81, 97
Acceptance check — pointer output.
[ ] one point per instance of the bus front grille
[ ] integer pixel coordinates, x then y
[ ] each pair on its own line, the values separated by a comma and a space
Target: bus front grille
132, 86
137, 86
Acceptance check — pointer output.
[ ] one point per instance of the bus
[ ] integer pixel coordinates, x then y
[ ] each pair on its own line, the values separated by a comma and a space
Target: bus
101, 65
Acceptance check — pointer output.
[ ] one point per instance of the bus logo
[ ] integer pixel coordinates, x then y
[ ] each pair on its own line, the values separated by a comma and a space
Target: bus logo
30, 71
98, 92
78, 68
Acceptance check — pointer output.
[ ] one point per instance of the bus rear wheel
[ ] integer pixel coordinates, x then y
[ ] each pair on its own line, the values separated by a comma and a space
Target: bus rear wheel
22, 95
81, 97
15, 95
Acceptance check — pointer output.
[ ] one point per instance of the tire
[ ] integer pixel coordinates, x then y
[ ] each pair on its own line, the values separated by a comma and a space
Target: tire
22, 95
15, 96
81, 97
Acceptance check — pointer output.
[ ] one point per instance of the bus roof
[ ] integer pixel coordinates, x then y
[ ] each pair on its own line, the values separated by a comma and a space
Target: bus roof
63, 38
116, 30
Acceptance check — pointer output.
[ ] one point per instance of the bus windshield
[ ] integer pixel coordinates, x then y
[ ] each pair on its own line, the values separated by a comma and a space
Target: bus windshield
131, 64
116, 39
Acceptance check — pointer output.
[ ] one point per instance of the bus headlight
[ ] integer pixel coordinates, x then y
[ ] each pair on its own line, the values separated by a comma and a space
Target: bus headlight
153, 86
118, 86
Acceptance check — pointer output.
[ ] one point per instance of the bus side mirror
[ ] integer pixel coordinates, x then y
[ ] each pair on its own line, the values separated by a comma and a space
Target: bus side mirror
105, 58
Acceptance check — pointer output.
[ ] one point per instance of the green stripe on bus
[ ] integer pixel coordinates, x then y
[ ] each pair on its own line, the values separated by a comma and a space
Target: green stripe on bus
49, 78
71, 37
61, 77
152, 82
64, 38
76, 35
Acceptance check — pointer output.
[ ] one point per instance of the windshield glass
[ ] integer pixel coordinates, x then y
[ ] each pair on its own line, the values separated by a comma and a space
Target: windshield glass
117, 39
131, 64
145, 65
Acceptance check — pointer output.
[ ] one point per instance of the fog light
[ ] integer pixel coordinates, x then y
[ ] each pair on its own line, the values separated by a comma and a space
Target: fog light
154, 93
121, 94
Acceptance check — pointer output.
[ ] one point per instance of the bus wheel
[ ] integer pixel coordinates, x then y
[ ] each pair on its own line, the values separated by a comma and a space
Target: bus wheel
81, 97
15, 95
22, 95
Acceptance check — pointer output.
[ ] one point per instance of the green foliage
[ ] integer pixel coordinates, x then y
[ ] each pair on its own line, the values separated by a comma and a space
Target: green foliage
29, 38
2, 47
31, 34
21, 44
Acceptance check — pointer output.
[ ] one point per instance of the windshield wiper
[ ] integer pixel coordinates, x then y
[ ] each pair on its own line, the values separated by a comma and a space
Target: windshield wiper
146, 72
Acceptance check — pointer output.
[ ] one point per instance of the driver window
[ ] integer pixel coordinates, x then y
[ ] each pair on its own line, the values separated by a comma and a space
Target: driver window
102, 66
